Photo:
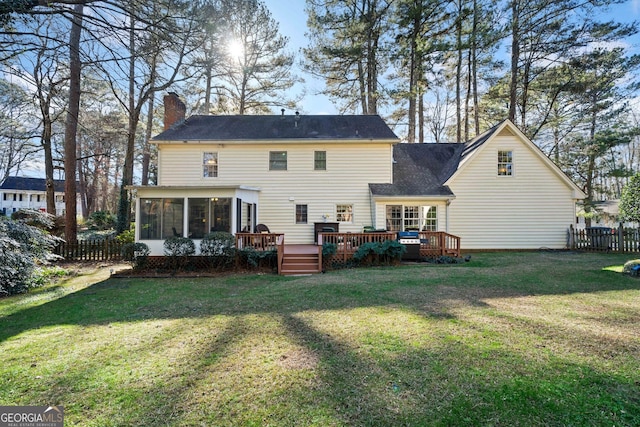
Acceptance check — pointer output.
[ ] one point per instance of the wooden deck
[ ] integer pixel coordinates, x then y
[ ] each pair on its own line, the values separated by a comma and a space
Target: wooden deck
307, 258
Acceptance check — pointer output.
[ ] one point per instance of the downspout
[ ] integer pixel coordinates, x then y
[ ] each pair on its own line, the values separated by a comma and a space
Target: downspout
372, 209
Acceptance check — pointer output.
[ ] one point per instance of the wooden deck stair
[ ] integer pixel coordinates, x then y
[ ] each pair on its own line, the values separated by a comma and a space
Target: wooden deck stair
300, 260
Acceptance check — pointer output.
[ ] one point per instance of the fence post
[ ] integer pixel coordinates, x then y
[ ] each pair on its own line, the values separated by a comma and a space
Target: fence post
571, 239
621, 242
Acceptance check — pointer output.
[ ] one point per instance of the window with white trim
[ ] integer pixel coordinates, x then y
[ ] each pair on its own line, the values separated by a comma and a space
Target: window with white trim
301, 214
320, 160
505, 163
403, 218
344, 213
277, 160
429, 218
209, 165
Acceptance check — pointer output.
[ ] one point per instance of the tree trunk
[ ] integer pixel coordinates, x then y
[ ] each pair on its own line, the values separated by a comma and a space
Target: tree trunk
459, 74
146, 148
474, 68
71, 126
48, 165
124, 205
515, 56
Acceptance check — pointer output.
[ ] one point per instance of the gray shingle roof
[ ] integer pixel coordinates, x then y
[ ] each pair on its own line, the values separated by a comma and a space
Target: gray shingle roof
277, 127
421, 170
30, 184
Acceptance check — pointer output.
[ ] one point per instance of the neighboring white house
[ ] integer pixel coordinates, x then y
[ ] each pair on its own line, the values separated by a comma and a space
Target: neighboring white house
29, 193
293, 172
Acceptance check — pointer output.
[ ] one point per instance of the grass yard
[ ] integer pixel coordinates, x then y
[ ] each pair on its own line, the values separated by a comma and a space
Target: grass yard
507, 339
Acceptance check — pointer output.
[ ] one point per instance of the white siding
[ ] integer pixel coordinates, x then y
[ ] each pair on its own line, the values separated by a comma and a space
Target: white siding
350, 168
531, 209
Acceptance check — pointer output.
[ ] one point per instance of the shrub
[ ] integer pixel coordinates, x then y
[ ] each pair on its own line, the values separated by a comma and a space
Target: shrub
179, 249
101, 220
219, 248
135, 253
329, 249
24, 245
378, 253
392, 251
128, 236
251, 258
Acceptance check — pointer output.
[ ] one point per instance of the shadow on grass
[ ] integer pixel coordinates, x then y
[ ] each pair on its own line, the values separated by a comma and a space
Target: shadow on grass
449, 384
429, 289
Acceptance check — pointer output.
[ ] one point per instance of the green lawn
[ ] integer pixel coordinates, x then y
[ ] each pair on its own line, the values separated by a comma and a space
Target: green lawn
507, 339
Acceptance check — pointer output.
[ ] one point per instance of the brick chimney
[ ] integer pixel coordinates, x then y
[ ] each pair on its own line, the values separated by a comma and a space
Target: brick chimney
174, 110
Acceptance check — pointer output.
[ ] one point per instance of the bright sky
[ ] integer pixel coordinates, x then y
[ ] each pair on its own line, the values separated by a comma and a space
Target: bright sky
293, 24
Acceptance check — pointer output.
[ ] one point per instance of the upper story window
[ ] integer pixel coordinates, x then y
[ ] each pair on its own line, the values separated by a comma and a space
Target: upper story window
320, 160
344, 213
209, 165
505, 163
278, 160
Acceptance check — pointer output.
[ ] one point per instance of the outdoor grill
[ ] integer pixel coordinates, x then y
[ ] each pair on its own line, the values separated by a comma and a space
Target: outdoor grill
411, 240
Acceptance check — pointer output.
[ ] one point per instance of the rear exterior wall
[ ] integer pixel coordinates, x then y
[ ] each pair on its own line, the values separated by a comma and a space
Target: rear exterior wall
350, 167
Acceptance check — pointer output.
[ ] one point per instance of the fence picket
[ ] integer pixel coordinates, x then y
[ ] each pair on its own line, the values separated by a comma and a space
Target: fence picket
601, 239
90, 250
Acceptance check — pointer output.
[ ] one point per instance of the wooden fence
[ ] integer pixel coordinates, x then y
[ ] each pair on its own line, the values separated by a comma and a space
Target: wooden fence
604, 239
90, 250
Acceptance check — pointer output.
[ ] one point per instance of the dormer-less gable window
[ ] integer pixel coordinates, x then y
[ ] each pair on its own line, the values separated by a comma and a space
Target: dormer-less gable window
505, 163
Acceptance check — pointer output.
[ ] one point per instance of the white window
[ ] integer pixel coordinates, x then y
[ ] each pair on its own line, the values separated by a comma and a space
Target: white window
344, 213
301, 214
277, 160
429, 218
320, 160
505, 163
209, 165
404, 218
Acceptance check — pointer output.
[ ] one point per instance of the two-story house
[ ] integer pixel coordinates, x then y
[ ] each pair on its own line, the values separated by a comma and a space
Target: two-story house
18, 193
294, 171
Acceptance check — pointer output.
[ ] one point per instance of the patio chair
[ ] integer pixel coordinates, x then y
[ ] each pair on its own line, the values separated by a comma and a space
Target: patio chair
261, 228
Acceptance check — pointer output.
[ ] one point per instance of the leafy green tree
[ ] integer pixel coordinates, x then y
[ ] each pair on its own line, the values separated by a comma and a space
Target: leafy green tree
546, 32
347, 47
630, 200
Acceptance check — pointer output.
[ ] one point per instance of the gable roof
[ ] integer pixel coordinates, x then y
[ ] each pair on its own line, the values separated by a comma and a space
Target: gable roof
476, 145
30, 184
279, 127
421, 170
427, 169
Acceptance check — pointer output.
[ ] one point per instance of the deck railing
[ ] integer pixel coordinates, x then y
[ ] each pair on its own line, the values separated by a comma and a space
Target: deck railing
280, 249
258, 241
438, 243
432, 243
